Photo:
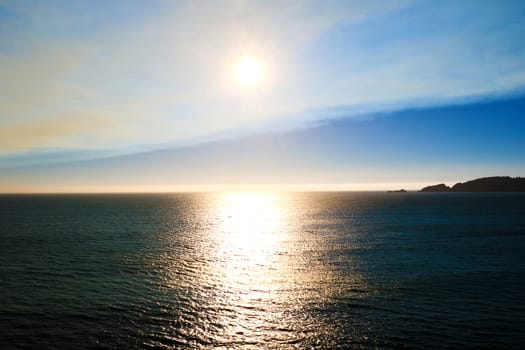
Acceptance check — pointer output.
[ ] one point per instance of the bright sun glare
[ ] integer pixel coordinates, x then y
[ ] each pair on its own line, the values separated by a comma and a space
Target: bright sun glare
249, 71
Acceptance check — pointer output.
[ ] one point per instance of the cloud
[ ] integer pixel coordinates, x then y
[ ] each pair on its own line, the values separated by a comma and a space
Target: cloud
159, 73
36, 81
56, 132
165, 75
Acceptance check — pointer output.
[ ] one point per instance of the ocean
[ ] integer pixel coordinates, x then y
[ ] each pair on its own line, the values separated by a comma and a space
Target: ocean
263, 270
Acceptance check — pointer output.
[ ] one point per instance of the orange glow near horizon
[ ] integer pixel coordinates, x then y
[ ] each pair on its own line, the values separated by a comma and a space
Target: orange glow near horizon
314, 187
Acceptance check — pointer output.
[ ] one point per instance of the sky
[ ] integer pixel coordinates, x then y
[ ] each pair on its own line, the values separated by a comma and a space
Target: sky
142, 95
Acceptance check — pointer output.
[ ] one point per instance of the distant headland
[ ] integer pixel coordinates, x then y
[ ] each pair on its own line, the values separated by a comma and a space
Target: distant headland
485, 184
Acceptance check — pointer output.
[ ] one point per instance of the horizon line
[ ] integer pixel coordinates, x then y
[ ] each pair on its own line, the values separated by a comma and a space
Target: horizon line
158, 189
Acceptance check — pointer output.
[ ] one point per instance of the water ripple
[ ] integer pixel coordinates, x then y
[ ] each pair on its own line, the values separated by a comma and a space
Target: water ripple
332, 270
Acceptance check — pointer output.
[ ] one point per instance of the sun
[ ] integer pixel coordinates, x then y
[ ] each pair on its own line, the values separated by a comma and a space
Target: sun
249, 71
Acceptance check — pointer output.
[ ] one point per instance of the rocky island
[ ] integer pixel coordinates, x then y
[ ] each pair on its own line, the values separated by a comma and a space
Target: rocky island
485, 184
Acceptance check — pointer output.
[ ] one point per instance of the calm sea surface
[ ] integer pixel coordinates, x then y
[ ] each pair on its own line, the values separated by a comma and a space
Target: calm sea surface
298, 270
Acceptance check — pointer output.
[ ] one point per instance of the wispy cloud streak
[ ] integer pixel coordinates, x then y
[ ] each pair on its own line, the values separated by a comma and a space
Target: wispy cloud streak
98, 75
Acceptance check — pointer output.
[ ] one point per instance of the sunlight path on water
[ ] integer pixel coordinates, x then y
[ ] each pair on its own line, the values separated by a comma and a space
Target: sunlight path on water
258, 271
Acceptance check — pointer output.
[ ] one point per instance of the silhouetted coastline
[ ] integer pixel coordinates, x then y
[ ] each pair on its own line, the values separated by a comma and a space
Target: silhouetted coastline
485, 184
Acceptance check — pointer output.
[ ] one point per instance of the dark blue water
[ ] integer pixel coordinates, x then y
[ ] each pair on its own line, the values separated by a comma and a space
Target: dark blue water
317, 270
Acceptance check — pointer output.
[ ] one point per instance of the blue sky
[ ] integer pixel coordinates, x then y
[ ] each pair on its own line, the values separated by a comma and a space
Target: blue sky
138, 95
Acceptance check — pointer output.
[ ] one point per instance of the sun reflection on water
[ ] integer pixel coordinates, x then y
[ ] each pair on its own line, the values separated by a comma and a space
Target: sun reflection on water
259, 263
249, 228
253, 268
